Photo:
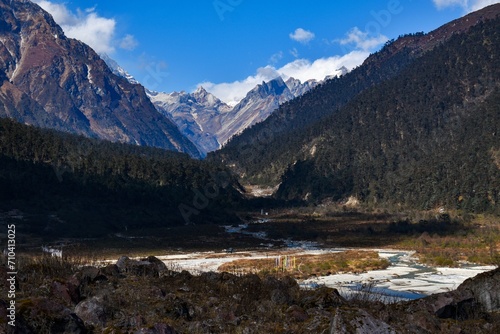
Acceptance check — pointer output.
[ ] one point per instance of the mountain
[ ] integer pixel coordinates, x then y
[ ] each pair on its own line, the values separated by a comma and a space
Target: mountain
53, 81
117, 69
257, 105
416, 125
258, 163
297, 88
195, 114
210, 123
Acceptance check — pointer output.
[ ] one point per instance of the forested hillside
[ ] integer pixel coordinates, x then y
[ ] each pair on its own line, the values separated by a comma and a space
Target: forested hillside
426, 137
69, 184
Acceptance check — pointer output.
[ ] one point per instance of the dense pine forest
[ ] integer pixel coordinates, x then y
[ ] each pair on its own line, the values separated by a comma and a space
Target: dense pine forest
71, 185
426, 137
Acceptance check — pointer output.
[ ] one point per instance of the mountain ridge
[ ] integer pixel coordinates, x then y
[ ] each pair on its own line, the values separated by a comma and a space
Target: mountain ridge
210, 123
54, 81
354, 148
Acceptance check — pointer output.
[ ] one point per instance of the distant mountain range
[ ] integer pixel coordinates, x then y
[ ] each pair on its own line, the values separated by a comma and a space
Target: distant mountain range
209, 122
49, 80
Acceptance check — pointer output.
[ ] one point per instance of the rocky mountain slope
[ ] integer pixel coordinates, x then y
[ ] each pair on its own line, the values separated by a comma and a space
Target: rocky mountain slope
259, 103
50, 80
210, 123
196, 114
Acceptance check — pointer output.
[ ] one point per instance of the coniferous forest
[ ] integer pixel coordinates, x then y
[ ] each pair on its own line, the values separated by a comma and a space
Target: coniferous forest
426, 136
95, 187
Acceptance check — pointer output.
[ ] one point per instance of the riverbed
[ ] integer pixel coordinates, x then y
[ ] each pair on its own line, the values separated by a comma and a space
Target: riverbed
405, 278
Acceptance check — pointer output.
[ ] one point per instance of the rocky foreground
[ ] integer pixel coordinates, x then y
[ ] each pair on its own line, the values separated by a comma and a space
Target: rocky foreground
145, 296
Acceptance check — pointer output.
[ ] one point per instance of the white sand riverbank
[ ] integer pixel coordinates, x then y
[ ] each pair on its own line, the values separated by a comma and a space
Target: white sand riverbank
405, 275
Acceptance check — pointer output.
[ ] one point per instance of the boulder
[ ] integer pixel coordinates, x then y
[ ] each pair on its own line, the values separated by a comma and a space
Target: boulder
484, 289
323, 298
157, 329
111, 270
46, 315
150, 266
62, 292
92, 311
358, 321
297, 314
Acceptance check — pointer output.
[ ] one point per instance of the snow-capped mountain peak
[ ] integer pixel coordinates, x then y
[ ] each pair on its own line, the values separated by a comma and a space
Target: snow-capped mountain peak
117, 69
209, 122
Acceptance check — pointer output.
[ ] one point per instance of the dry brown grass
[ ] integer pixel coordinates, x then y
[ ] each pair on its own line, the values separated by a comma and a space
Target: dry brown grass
305, 266
478, 242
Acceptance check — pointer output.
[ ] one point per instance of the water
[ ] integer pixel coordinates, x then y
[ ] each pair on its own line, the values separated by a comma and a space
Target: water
404, 279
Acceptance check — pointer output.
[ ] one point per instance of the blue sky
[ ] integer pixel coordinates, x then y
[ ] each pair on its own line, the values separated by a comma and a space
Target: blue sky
229, 46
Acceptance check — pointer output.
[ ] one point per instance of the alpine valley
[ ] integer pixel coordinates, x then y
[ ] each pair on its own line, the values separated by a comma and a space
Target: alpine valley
368, 202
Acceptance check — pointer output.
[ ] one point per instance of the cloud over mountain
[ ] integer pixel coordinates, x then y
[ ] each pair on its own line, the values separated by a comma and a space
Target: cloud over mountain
362, 40
467, 5
302, 35
88, 26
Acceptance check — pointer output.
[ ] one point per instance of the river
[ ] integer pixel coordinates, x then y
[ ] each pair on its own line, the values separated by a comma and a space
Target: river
405, 278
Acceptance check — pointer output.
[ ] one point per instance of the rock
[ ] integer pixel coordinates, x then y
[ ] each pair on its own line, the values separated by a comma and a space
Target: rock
280, 296
485, 289
70, 324
463, 310
358, 321
92, 311
477, 299
249, 286
211, 276
61, 292
150, 266
324, 298
297, 314
110, 270
157, 329
44, 315
89, 273
122, 262
179, 308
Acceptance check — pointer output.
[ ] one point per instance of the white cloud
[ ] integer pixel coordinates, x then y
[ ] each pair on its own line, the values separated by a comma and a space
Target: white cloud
467, 5
87, 26
478, 4
294, 52
450, 3
128, 42
302, 69
362, 40
276, 57
302, 36
234, 92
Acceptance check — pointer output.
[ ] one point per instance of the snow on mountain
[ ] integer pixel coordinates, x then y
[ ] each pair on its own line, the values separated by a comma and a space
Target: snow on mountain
209, 122
52, 81
117, 69
195, 114
298, 88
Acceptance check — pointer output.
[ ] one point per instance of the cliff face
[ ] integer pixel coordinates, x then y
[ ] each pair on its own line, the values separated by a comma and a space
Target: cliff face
50, 80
